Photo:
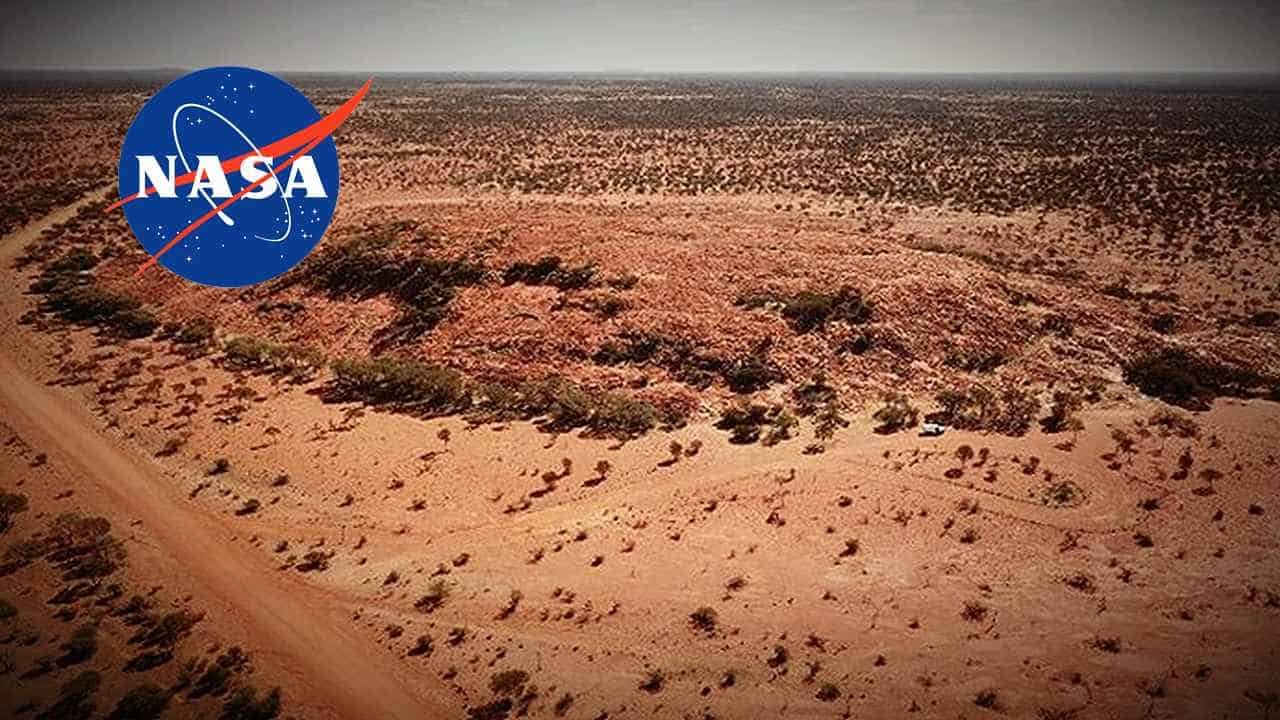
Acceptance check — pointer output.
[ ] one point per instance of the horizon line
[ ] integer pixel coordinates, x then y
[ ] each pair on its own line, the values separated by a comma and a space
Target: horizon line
645, 71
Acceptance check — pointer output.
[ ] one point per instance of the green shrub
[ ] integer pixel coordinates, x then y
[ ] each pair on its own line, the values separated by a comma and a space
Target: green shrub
747, 423
217, 676
437, 593
82, 548
680, 357
812, 396
422, 286
704, 620
508, 682
896, 414
812, 310
197, 332
1062, 494
1011, 412
537, 272
367, 267
567, 406
293, 361
167, 631
636, 348
135, 323
620, 416
76, 698
751, 372
400, 383
76, 261
82, 301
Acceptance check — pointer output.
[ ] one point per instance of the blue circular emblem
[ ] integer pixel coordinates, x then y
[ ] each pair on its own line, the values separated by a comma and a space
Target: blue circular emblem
228, 177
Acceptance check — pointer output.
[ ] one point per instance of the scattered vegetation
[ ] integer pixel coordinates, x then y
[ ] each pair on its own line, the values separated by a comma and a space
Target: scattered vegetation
400, 383
751, 422
550, 270
80, 547
682, 358
145, 702
420, 284
195, 337
653, 682
295, 362
72, 294
1064, 493
975, 361
1008, 412
811, 310
412, 386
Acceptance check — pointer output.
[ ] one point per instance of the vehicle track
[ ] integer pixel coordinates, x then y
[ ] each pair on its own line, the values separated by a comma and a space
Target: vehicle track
299, 630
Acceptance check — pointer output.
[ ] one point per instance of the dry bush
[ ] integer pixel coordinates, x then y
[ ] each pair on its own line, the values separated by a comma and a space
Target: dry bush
897, 413
751, 422
437, 593
703, 620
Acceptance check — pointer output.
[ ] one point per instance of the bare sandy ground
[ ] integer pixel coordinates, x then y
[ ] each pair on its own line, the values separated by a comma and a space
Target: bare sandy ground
883, 577
300, 632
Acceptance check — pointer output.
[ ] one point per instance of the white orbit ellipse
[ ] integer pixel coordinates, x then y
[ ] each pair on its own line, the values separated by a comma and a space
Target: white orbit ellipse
288, 214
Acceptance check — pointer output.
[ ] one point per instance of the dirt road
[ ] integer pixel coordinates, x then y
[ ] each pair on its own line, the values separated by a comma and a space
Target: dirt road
299, 631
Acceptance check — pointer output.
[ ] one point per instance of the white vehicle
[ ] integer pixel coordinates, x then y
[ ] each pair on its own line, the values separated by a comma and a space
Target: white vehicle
932, 429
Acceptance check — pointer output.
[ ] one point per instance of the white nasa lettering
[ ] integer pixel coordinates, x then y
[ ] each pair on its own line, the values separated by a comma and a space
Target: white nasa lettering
150, 173
250, 171
305, 167
209, 178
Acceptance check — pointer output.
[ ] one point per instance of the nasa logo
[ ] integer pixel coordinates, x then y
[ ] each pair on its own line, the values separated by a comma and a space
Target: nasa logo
229, 176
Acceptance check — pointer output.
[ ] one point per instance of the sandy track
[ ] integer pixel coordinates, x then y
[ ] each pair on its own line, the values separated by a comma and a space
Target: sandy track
300, 631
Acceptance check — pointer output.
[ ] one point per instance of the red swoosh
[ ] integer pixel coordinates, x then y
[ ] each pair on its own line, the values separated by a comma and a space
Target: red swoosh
212, 213
321, 128
307, 137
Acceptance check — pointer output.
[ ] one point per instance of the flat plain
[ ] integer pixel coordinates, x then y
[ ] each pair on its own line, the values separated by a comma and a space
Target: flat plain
603, 398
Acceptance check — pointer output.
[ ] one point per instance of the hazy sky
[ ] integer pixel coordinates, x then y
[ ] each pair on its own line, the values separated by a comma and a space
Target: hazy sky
658, 35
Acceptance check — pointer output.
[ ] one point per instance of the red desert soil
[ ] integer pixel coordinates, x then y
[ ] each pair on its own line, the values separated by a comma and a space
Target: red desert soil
301, 631
861, 580
470, 557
